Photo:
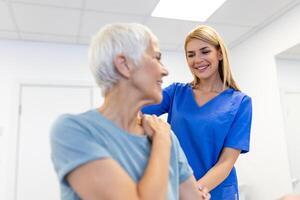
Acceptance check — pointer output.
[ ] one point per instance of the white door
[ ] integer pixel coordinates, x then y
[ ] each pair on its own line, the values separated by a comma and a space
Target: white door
2, 175
40, 106
292, 119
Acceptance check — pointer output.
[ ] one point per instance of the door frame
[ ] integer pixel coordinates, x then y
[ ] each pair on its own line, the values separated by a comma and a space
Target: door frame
283, 93
14, 136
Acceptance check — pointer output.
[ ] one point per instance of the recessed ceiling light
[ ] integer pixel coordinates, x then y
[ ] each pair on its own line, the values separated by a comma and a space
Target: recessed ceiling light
192, 10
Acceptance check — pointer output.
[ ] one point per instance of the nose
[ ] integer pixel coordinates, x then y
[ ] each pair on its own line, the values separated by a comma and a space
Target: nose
198, 58
164, 71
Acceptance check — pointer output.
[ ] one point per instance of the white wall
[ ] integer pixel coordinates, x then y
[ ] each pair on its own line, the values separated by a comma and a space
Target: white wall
33, 62
38, 62
265, 169
289, 85
288, 71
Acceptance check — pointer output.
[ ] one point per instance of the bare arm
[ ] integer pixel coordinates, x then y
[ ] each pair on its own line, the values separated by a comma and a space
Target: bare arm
189, 190
102, 179
106, 179
154, 183
221, 170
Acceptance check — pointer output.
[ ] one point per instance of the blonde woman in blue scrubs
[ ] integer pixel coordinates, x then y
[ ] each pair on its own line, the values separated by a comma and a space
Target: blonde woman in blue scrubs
210, 116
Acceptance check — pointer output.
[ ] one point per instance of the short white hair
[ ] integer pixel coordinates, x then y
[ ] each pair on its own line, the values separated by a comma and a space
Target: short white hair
129, 39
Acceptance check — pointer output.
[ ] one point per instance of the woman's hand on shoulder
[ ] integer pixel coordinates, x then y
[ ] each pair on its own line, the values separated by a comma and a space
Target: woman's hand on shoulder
156, 128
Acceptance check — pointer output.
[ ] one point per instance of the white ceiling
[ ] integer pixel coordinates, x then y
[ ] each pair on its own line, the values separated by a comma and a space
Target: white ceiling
74, 21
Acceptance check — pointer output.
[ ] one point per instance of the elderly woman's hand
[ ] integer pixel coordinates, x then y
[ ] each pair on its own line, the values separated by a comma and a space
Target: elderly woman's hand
156, 128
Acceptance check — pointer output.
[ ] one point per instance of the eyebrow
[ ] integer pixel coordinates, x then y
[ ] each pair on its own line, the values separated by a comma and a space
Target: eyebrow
203, 48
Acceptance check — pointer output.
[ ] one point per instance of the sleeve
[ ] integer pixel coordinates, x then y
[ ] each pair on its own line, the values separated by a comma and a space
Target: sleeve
185, 171
164, 105
239, 133
72, 145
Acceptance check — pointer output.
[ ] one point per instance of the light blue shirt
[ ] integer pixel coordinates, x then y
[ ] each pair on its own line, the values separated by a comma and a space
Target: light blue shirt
79, 139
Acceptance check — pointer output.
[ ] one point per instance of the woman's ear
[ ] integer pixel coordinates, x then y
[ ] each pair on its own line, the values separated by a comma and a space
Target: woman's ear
121, 64
220, 55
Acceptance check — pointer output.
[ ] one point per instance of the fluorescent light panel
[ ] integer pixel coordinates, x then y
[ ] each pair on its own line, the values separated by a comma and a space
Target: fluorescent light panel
192, 10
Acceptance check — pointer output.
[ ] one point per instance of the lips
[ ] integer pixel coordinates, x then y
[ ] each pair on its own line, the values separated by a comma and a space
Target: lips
159, 83
201, 68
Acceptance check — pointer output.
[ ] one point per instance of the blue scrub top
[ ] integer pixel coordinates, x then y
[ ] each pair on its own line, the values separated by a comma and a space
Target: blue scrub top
203, 131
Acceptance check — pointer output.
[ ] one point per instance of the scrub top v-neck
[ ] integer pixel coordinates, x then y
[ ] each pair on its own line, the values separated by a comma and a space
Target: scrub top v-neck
203, 131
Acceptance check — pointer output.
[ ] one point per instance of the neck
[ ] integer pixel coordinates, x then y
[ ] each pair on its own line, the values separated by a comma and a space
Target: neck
211, 84
122, 109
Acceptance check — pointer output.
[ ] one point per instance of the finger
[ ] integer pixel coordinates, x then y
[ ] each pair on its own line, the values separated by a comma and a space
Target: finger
205, 190
140, 114
200, 187
139, 118
208, 196
146, 125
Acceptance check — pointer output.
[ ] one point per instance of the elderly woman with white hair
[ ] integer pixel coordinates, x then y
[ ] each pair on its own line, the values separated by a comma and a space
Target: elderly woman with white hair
110, 152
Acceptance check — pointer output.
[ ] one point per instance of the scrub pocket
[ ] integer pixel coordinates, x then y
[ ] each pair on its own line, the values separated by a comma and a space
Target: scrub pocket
230, 193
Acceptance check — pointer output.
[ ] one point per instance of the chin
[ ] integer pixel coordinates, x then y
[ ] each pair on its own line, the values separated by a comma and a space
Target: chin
204, 76
154, 98
157, 98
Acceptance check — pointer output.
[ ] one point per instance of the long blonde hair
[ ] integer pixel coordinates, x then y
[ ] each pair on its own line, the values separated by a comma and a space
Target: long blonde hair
210, 36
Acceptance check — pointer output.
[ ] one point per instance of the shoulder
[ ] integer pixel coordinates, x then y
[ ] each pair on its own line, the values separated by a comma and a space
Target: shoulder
177, 87
237, 93
239, 97
72, 119
242, 103
64, 121
69, 125
233, 100
181, 85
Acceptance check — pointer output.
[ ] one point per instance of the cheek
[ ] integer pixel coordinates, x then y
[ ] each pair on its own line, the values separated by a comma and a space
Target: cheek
215, 58
150, 73
217, 61
189, 62
156, 68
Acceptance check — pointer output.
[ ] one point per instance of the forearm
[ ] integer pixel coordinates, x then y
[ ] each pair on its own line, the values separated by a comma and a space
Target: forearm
154, 183
218, 173
215, 175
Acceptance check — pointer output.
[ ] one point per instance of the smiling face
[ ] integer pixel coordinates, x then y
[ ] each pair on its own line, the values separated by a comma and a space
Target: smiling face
203, 59
147, 78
